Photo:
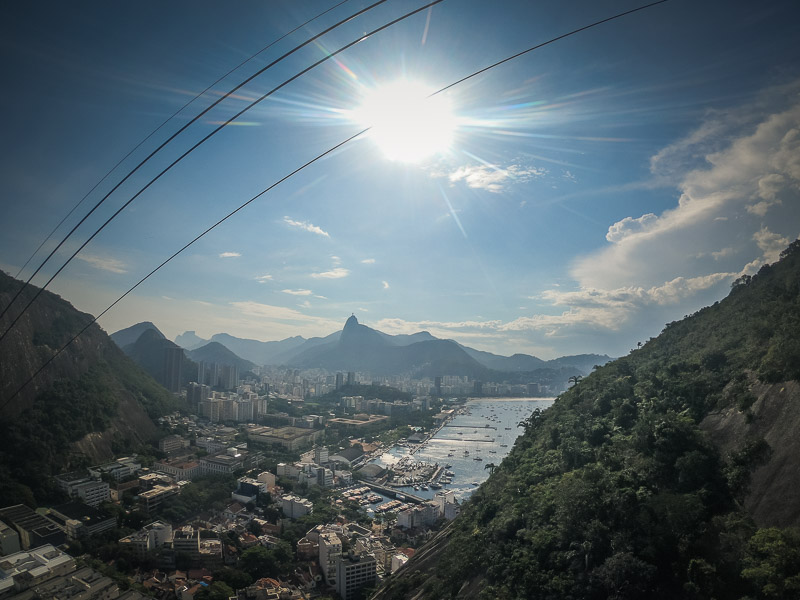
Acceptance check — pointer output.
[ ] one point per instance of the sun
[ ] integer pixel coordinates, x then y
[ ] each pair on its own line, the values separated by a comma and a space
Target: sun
407, 123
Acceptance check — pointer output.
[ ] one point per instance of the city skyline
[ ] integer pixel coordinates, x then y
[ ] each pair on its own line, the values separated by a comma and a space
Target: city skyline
591, 192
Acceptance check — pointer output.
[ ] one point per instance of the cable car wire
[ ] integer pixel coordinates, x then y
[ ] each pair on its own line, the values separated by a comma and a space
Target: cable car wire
302, 167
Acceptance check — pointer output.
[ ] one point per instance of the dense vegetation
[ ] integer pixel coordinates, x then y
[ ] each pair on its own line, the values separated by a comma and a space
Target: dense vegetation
91, 387
37, 442
616, 492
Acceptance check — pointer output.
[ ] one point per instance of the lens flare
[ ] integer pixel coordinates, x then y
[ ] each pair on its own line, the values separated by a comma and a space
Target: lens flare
407, 125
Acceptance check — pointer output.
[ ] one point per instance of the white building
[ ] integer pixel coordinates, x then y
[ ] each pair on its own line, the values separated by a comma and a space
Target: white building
330, 552
23, 570
267, 481
295, 507
398, 560
149, 537
93, 492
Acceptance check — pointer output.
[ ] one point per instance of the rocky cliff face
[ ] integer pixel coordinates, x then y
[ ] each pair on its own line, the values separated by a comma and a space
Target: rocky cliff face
773, 499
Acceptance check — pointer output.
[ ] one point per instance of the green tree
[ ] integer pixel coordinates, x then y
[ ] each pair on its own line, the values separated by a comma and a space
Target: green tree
772, 563
216, 591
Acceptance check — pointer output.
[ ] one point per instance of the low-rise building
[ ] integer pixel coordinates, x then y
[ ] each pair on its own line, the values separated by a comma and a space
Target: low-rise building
34, 529
291, 438
80, 520
28, 568
186, 540
148, 481
9, 540
172, 443
80, 484
153, 498
179, 469
267, 481
295, 507
151, 536
119, 469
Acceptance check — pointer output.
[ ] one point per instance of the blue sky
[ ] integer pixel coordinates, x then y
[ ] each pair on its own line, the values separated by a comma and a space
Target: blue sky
595, 189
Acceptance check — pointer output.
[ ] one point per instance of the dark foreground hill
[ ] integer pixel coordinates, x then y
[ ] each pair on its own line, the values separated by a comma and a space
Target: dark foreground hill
671, 473
90, 402
129, 335
148, 352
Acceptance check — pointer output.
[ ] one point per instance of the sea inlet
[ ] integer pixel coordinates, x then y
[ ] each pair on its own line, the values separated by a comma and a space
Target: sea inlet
482, 434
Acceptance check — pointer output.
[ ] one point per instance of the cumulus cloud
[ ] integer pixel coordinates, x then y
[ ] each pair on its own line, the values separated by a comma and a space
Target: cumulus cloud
264, 278
386, 285
771, 244
336, 273
305, 226
368, 261
298, 292
611, 309
229, 255
493, 178
737, 206
769, 187
104, 263
750, 181
627, 226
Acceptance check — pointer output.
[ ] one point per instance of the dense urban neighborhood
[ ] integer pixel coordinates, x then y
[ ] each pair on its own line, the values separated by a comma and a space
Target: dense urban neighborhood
249, 493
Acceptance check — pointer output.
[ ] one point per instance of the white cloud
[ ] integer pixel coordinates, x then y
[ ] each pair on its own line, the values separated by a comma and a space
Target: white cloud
627, 226
769, 188
611, 310
737, 202
280, 314
298, 292
368, 261
715, 205
725, 252
104, 263
336, 260
386, 285
264, 278
305, 226
305, 304
771, 244
229, 255
336, 273
492, 178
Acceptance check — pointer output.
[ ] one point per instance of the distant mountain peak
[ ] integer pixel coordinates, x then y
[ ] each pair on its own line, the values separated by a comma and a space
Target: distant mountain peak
351, 322
129, 335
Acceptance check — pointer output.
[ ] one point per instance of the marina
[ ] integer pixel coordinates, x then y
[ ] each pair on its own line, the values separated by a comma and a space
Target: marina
460, 455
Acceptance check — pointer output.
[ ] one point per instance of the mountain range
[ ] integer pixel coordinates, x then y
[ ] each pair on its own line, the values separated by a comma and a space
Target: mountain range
360, 348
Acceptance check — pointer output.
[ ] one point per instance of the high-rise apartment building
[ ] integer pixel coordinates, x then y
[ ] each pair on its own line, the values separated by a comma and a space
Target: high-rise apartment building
173, 368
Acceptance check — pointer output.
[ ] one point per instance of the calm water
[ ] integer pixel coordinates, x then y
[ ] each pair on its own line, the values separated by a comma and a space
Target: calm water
469, 432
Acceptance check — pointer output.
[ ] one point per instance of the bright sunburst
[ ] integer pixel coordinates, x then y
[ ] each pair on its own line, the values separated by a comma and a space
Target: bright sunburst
407, 124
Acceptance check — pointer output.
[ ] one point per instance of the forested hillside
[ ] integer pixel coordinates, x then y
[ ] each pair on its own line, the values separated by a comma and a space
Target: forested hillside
638, 483
91, 402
